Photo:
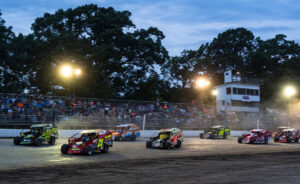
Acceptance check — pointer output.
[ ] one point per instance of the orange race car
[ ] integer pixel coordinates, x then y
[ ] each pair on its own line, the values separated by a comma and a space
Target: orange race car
125, 132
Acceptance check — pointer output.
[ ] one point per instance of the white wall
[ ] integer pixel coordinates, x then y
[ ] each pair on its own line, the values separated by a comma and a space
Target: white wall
144, 133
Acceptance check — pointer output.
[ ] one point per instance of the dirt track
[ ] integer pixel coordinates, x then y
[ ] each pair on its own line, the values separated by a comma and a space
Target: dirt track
199, 161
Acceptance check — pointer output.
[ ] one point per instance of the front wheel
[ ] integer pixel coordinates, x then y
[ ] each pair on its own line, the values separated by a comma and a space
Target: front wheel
133, 137
225, 136
148, 144
240, 140
64, 148
276, 139
167, 145
88, 151
105, 149
266, 141
52, 140
17, 140
38, 141
178, 144
201, 135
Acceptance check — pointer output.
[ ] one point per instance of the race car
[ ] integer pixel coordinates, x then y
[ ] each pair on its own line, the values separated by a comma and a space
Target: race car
288, 136
216, 132
166, 139
256, 136
37, 135
125, 132
279, 131
88, 142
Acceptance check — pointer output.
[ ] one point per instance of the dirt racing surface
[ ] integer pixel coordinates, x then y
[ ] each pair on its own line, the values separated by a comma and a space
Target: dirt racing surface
198, 161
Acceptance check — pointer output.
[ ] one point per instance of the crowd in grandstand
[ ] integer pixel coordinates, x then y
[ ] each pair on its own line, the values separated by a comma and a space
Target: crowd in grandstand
41, 107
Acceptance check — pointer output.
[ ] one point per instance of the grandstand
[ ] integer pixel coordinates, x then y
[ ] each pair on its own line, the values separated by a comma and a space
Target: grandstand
20, 111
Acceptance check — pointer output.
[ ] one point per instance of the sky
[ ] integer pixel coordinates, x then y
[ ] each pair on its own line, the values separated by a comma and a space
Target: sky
186, 23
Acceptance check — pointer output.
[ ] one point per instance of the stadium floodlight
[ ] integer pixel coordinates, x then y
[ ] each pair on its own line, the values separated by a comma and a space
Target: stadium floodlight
289, 91
214, 92
77, 71
66, 71
202, 83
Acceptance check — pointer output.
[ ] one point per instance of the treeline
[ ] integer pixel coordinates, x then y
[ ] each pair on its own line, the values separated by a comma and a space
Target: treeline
120, 61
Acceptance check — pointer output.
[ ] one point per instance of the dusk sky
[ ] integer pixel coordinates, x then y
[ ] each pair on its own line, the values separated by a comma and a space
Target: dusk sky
186, 23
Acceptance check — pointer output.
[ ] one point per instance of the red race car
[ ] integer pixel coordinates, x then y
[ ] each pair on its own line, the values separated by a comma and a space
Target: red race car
288, 136
256, 136
88, 142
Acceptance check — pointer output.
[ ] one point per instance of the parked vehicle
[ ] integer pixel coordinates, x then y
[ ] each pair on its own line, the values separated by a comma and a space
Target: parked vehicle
166, 139
256, 136
216, 132
88, 142
288, 136
125, 132
37, 135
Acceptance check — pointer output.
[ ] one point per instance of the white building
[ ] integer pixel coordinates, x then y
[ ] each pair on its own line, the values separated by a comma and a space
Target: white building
237, 94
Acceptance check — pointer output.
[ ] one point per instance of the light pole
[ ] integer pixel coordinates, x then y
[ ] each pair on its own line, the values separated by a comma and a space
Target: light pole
202, 83
68, 72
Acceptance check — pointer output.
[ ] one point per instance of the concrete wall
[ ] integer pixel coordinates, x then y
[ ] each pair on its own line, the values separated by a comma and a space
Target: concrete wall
144, 133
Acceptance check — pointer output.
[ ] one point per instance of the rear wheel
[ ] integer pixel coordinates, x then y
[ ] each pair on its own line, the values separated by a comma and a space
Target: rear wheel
296, 139
64, 148
251, 141
52, 140
276, 139
240, 140
88, 151
224, 136
148, 144
17, 140
288, 140
105, 148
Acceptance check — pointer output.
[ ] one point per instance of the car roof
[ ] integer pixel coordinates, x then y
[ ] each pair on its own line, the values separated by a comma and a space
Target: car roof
289, 130
283, 127
218, 126
124, 125
40, 125
92, 131
258, 130
170, 130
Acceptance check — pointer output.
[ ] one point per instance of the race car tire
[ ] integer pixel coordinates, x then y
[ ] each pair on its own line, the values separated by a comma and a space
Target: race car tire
224, 136
87, 151
64, 148
133, 137
251, 141
212, 136
17, 140
52, 140
276, 139
266, 141
201, 135
105, 148
240, 140
178, 144
296, 139
167, 145
38, 141
120, 138
148, 144
289, 140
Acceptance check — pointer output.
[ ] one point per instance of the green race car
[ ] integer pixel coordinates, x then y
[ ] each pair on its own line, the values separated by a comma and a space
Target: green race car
37, 135
216, 132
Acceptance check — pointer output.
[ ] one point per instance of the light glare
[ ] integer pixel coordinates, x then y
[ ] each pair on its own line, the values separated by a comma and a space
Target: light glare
66, 71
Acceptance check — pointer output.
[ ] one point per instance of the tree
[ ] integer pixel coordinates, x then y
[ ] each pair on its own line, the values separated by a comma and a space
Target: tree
7, 79
116, 56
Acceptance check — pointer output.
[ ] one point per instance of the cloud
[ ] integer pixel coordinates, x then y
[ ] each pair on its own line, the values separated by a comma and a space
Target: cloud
186, 23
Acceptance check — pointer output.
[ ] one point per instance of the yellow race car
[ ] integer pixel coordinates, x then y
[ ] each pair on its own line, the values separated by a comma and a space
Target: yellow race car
216, 132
